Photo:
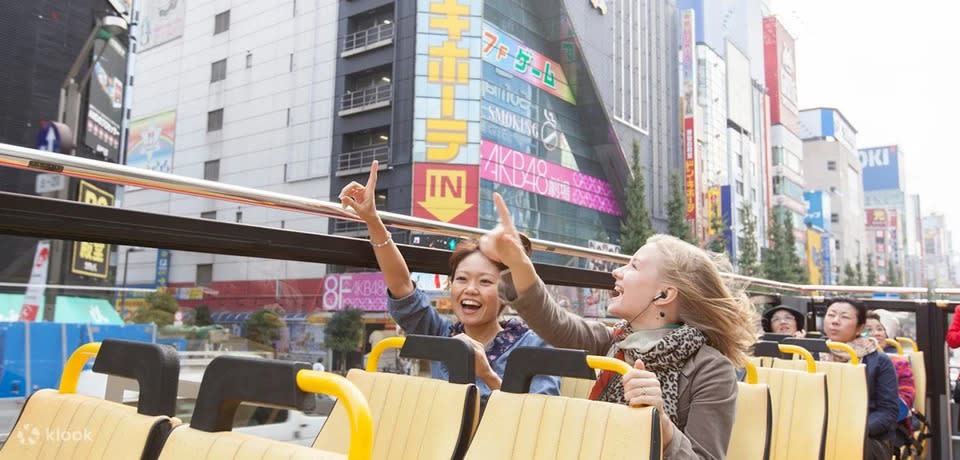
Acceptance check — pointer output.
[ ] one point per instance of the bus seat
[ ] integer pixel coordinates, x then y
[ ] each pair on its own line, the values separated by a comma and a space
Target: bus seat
522, 426
63, 424
230, 380
576, 388
848, 403
413, 417
753, 424
799, 408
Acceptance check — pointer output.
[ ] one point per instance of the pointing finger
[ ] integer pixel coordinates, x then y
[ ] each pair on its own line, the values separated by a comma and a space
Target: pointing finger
505, 219
372, 180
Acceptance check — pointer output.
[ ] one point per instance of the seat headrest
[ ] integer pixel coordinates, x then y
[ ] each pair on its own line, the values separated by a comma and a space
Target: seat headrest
156, 368
527, 362
231, 380
454, 353
812, 345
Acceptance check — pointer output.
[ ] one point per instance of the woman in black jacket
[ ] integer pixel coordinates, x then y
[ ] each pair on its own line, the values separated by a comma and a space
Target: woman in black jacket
844, 322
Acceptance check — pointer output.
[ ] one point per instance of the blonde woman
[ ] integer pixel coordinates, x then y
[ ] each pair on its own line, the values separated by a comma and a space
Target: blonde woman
682, 330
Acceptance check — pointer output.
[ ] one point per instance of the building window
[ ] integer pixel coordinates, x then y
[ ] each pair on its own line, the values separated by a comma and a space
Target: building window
204, 274
739, 188
212, 215
291, 62
211, 170
218, 70
249, 60
221, 22
288, 116
835, 218
215, 120
832, 165
630, 63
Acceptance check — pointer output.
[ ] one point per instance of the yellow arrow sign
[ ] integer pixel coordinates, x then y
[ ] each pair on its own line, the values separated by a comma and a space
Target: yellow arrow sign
445, 196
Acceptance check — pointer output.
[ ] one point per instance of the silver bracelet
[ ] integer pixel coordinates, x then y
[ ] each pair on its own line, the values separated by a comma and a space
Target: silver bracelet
385, 242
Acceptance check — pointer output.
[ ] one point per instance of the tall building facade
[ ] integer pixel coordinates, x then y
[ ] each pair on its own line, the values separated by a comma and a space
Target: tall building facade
241, 93
832, 166
939, 257
885, 205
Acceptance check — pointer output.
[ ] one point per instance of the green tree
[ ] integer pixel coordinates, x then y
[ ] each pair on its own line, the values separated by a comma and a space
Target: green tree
635, 227
749, 251
264, 327
344, 331
849, 276
893, 275
201, 316
871, 271
859, 270
158, 309
677, 224
781, 262
771, 259
718, 242
795, 268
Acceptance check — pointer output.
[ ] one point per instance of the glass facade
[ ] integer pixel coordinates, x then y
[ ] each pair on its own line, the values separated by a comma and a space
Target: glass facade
538, 138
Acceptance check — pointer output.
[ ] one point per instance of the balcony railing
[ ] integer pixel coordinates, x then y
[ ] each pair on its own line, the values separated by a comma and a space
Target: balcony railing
364, 39
367, 98
359, 161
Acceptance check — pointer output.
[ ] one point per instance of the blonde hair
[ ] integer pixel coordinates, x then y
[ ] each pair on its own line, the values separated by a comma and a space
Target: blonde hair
723, 313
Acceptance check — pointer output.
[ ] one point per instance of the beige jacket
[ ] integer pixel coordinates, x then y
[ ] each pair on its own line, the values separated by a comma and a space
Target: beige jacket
708, 382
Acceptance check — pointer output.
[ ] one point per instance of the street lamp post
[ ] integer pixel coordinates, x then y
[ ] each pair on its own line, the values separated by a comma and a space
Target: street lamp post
123, 289
68, 116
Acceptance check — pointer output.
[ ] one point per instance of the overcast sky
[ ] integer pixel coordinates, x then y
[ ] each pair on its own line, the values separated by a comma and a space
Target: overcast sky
892, 67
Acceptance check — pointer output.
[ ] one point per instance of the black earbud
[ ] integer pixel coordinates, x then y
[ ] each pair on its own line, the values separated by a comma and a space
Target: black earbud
661, 295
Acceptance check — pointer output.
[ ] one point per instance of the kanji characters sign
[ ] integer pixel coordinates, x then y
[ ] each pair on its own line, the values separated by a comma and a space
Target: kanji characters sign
91, 258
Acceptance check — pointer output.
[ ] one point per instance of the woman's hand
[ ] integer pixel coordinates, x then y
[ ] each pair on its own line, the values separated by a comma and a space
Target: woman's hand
362, 199
642, 388
502, 244
483, 369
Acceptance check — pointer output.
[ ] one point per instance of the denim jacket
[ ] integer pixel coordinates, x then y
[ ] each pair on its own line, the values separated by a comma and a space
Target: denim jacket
415, 315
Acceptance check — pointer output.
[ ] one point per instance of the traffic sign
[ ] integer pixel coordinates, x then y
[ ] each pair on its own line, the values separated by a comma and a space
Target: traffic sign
48, 138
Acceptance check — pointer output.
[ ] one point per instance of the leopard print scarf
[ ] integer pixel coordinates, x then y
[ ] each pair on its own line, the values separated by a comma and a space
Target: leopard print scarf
665, 359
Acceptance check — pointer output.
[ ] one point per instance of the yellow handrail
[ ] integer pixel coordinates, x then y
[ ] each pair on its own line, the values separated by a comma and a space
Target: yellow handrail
803, 353
752, 377
358, 410
71, 370
840, 346
607, 363
374, 357
894, 344
908, 341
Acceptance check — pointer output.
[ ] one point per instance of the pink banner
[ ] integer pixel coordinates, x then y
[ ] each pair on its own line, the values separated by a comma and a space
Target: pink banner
506, 166
365, 291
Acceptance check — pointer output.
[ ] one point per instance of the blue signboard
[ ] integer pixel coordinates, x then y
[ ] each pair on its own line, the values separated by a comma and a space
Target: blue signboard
881, 168
817, 210
163, 268
827, 267
48, 138
726, 211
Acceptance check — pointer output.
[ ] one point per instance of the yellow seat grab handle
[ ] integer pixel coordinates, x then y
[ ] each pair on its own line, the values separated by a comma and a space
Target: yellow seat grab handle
752, 378
803, 353
607, 363
908, 341
358, 410
374, 357
840, 346
74, 366
894, 344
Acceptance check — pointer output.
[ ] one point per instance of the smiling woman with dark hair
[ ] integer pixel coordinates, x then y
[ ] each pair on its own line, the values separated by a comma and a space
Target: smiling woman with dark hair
473, 296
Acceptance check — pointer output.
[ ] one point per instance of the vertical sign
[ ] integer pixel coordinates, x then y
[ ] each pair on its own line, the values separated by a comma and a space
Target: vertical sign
446, 148
106, 100
162, 275
38, 281
689, 88
91, 258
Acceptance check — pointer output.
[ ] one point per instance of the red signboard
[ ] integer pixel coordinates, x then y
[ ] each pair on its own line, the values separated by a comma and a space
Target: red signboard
446, 192
877, 217
780, 68
690, 168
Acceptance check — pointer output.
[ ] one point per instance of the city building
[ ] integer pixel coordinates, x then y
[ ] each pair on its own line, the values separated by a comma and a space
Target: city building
832, 166
939, 257
885, 205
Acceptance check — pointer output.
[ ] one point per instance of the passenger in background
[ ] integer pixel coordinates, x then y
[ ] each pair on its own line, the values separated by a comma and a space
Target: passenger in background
681, 328
784, 320
881, 325
844, 322
473, 296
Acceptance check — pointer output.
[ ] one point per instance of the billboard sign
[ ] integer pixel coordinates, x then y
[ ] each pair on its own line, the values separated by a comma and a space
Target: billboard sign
514, 56
688, 86
162, 275
818, 209
365, 291
881, 168
815, 259
779, 54
91, 258
105, 100
150, 143
447, 193
38, 281
504, 165
162, 21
